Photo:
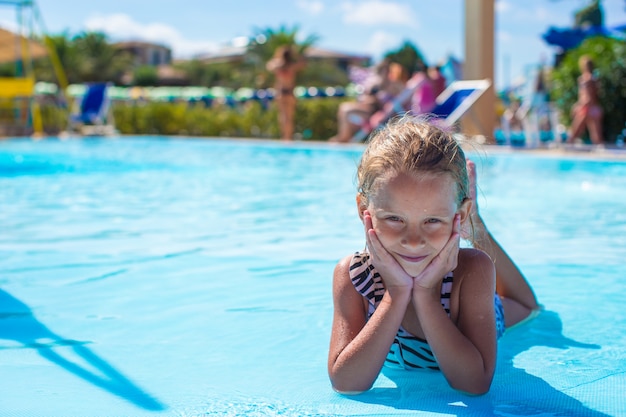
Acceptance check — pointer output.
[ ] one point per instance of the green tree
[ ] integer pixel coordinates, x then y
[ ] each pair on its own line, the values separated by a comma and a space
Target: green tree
408, 56
323, 74
86, 57
592, 15
68, 57
609, 57
145, 75
7, 69
97, 59
265, 41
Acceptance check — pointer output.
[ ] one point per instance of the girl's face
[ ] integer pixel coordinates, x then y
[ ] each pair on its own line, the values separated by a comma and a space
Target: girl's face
413, 217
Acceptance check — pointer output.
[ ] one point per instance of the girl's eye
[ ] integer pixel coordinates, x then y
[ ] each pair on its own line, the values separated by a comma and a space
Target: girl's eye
433, 221
394, 219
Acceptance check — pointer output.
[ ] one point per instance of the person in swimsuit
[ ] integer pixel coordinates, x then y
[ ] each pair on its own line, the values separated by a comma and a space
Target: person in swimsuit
285, 66
587, 111
413, 298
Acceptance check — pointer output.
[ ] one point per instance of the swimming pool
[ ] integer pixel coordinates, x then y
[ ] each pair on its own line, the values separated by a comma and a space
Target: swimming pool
158, 276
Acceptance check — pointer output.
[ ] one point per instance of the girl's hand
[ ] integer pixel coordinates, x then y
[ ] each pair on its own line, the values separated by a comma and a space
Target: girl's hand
393, 275
444, 262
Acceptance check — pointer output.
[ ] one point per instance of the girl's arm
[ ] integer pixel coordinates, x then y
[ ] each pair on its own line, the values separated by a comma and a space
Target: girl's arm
358, 347
465, 350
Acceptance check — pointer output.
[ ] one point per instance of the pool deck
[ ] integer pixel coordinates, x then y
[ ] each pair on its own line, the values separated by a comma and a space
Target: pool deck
603, 152
547, 149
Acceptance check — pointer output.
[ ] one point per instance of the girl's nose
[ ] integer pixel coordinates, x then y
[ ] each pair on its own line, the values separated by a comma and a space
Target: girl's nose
412, 238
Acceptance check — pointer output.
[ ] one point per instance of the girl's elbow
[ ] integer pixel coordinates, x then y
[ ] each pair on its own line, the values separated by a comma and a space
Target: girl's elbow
350, 387
348, 392
475, 388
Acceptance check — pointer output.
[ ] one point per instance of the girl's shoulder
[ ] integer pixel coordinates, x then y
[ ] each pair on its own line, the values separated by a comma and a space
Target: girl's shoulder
474, 263
473, 254
343, 265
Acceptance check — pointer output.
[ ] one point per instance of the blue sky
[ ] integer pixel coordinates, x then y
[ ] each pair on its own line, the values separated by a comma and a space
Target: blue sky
365, 27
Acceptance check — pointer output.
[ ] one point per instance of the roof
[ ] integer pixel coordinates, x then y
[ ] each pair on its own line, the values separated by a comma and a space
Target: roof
139, 44
10, 47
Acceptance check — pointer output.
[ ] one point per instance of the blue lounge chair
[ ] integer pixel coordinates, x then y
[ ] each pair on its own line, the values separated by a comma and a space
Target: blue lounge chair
457, 99
93, 115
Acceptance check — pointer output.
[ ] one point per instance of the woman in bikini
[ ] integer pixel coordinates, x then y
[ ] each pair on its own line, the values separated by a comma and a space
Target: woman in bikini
285, 65
587, 111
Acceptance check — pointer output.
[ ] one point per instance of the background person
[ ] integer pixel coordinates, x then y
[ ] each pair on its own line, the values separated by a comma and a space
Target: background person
587, 111
389, 80
438, 79
285, 66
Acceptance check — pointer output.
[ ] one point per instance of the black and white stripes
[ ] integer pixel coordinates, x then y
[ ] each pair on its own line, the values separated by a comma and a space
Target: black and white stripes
407, 351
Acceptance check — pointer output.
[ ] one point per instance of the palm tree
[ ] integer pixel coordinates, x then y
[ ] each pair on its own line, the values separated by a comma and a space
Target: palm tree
99, 60
408, 56
265, 41
67, 56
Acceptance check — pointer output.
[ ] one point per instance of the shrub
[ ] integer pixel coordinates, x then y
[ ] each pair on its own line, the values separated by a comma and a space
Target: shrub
316, 119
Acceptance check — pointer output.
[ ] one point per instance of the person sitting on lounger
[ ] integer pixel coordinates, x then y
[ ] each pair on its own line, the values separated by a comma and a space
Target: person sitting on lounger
390, 80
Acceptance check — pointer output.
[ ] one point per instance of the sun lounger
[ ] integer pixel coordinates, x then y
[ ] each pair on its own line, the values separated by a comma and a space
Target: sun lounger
93, 116
451, 105
457, 99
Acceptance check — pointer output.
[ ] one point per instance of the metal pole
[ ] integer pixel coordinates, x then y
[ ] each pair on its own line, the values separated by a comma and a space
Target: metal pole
480, 120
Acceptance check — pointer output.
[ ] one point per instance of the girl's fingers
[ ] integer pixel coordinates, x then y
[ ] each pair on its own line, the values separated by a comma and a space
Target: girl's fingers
452, 246
456, 227
367, 224
449, 253
367, 220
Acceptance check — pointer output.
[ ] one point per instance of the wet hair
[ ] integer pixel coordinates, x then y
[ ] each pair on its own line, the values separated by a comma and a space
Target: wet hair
413, 146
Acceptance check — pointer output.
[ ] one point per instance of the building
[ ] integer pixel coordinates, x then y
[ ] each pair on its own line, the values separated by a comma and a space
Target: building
146, 53
154, 55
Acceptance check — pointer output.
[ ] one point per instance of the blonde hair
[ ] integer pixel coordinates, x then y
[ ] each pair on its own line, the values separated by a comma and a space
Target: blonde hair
411, 145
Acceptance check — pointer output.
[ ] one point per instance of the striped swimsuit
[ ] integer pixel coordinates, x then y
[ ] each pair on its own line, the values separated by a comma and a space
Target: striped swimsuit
407, 351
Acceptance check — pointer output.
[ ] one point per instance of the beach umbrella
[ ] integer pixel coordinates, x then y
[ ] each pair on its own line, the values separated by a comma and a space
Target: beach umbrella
165, 93
42, 88
195, 93
118, 93
75, 90
569, 38
221, 92
244, 94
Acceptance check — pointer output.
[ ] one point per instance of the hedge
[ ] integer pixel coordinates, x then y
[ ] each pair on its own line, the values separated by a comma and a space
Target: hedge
316, 119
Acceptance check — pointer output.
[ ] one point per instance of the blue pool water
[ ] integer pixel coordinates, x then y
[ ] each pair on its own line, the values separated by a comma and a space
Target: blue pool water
191, 277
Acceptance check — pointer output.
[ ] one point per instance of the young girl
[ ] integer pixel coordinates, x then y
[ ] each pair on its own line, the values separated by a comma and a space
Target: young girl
414, 299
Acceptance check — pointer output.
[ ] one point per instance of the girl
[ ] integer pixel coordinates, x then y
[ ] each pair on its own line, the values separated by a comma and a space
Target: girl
413, 298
